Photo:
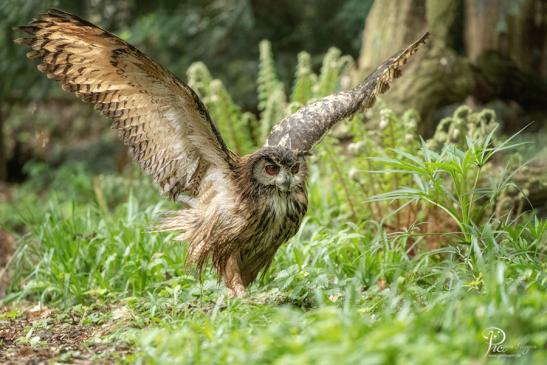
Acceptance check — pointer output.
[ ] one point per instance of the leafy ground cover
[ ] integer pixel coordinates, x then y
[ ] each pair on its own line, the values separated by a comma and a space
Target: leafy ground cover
110, 289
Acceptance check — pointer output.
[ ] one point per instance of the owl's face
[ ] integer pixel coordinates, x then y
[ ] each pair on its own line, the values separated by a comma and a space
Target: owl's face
280, 168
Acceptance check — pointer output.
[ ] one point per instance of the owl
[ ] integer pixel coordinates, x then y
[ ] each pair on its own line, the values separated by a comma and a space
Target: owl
235, 211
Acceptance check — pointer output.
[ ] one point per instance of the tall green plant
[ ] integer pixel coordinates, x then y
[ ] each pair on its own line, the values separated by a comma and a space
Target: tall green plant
304, 80
272, 101
449, 180
234, 124
333, 67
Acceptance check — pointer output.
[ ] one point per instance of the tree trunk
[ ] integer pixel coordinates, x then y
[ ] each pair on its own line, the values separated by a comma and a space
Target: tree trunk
390, 25
437, 76
517, 31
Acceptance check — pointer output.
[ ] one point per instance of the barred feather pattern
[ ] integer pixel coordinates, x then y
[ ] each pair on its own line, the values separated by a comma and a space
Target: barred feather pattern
161, 120
276, 217
250, 226
304, 128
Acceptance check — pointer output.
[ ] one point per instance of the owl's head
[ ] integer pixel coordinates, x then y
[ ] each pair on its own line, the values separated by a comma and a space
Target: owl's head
278, 167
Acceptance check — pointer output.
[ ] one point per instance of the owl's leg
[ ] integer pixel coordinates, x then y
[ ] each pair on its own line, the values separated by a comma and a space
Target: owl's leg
232, 277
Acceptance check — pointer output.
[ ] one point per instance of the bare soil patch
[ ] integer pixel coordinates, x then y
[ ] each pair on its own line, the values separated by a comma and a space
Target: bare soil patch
38, 335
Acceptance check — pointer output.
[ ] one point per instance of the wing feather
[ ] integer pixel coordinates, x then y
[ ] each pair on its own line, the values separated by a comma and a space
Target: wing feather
304, 128
162, 120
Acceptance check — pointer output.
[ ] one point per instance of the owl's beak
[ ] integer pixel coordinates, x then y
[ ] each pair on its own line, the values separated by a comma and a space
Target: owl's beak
285, 183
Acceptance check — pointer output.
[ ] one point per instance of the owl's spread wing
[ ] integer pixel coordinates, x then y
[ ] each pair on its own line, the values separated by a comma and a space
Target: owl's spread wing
302, 129
162, 120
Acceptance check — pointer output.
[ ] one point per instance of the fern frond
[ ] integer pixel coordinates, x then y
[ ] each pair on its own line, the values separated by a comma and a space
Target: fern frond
328, 79
304, 80
464, 124
232, 122
332, 70
230, 119
275, 110
268, 81
199, 78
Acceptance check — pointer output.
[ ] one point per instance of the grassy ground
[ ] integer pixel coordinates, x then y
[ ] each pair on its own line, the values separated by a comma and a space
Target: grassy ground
90, 282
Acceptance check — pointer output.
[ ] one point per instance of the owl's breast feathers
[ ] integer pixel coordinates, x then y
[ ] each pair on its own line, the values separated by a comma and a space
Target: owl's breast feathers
233, 216
277, 218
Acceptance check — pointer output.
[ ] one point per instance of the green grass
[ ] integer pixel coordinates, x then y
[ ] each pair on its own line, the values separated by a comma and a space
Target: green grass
340, 291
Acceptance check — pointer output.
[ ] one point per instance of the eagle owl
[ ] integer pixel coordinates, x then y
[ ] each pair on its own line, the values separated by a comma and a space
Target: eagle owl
235, 210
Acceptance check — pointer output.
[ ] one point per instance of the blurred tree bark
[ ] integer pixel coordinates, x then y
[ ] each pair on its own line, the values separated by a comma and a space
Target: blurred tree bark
486, 50
510, 29
390, 25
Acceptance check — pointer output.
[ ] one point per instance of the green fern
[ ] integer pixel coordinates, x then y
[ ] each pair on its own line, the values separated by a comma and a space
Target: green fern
274, 111
268, 82
464, 124
272, 101
333, 68
232, 122
199, 78
242, 131
304, 80
251, 121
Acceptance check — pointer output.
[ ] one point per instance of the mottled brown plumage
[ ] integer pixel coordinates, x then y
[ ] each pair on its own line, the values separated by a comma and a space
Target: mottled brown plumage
237, 210
301, 130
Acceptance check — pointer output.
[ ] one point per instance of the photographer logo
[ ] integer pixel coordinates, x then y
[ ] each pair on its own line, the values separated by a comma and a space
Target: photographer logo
496, 338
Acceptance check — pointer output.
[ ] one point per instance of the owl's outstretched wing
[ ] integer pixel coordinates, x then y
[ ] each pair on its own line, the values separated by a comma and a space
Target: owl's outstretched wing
302, 129
162, 120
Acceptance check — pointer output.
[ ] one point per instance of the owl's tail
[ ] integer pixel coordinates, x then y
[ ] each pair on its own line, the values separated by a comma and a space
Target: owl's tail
192, 228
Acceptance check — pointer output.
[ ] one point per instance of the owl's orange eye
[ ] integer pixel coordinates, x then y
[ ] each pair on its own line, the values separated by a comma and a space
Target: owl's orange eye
295, 168
272, 170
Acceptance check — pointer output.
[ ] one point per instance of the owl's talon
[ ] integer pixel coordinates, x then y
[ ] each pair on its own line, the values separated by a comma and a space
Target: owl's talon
232, 278
238, 291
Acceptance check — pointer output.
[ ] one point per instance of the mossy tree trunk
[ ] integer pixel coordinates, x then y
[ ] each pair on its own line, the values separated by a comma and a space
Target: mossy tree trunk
506, 42
486, 50
389, 26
